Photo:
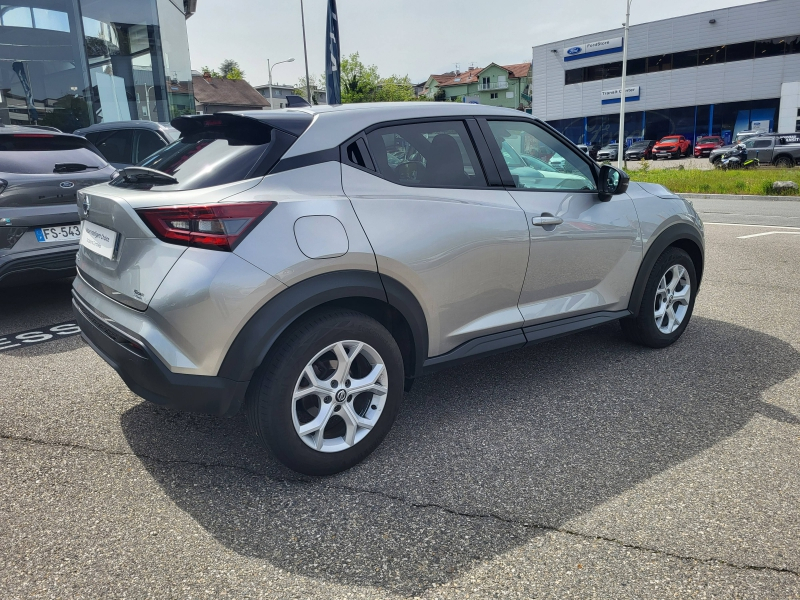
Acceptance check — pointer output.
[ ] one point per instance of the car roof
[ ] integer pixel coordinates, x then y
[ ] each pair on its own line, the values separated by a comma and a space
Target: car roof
137, 124
333, 125
50, 131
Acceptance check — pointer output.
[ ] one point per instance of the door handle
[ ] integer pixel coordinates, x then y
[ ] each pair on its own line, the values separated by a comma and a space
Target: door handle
545, 221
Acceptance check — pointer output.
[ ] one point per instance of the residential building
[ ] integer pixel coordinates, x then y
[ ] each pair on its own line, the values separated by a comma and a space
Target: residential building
73, 63
219, 94
279, 93
495, 85
711, 73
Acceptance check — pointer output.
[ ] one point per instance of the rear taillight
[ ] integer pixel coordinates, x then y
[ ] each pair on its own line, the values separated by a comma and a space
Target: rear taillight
215, 226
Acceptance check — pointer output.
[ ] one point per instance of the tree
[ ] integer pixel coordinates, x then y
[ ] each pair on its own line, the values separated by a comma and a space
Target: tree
231, 67
210, 71
363, 83
300, 88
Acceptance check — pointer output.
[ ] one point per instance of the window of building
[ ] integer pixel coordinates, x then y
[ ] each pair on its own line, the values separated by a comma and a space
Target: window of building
523, 143
637, 66
742, 51
766, 48
427, 154
573, 76
613, 70
793, 44
595, 73
683, 60
662, 62
493, 95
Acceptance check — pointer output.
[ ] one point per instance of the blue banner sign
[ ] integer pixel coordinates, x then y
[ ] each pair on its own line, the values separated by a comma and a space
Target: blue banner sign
593, 49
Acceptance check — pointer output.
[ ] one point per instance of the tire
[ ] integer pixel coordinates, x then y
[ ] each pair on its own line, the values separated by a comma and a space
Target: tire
283, 417
784, 162
643, 328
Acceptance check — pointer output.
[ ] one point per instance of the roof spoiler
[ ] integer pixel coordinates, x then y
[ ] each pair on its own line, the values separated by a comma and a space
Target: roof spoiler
295, 101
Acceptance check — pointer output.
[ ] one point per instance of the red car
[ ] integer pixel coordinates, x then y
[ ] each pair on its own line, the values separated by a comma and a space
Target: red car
672, 146
706, 144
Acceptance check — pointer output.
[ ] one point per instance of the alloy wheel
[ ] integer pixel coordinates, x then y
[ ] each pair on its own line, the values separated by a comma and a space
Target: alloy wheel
672, 298
339, 396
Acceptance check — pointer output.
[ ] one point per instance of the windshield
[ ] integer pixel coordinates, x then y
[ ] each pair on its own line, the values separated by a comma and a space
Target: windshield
670, 140
709, 140
610, 147
640, 144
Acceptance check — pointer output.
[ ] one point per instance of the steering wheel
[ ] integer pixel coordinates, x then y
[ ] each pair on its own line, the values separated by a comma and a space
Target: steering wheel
409, 170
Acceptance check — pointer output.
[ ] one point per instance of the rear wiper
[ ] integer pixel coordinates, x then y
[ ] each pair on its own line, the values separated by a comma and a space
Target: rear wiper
71, 167
145, 175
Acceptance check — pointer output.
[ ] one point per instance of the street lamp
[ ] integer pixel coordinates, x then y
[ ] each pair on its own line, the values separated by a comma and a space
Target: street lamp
270, 77
147, 89
621, 139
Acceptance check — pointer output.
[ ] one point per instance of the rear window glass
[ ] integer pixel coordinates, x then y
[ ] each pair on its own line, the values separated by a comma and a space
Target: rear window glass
38, 154
211, 156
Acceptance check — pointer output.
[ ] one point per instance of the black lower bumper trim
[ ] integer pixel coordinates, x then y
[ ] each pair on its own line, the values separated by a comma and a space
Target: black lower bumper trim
38, 267
147, 376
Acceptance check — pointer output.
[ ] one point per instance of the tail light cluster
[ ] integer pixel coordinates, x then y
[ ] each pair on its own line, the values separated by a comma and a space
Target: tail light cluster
215, 226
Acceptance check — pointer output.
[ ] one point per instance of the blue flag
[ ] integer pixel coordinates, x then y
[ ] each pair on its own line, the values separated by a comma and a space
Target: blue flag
333, 79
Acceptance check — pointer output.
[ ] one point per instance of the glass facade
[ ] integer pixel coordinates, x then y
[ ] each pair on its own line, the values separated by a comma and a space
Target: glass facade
72, 63
724, 119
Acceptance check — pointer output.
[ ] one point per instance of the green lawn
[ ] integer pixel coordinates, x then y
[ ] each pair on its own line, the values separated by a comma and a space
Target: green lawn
695, 181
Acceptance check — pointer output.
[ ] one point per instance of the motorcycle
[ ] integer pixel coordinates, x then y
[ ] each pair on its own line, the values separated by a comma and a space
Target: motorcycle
736, 158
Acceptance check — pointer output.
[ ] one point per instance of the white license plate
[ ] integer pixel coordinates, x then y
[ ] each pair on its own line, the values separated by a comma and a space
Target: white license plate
61, 233
98, 239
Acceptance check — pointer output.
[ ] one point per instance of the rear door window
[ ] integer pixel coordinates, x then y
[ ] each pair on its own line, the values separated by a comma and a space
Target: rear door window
148, 143
116, 146
436, 154
37, 154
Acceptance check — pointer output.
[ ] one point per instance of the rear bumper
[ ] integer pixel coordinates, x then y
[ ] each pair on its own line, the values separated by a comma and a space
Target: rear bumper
147, 376
38, 265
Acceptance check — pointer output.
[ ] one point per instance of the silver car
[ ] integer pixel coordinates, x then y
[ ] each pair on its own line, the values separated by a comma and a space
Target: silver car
307, 265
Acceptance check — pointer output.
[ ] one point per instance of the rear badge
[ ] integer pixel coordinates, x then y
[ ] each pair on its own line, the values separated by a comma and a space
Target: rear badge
66, 185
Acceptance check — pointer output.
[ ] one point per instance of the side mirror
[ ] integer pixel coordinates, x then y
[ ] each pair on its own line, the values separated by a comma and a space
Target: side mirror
612, 182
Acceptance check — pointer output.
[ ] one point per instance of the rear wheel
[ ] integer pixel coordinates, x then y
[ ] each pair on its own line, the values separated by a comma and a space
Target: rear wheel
328, 393
784, 162
667, 302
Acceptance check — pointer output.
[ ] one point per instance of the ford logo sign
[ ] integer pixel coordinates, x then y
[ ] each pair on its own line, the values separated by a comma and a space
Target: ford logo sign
67, 185
574, 50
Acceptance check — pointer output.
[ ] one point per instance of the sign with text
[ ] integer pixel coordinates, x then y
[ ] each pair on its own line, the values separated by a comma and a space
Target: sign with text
593, 49
615, 96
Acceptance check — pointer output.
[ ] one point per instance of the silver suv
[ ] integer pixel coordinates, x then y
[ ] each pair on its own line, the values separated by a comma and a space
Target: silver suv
306, 265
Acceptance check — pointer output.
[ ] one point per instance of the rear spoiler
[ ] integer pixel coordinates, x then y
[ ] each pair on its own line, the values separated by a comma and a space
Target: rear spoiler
294, 122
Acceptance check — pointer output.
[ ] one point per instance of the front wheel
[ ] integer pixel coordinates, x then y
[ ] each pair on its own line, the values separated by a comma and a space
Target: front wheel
328, 393
667, 302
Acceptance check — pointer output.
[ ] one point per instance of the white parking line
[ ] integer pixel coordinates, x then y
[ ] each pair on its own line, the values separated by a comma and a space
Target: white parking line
749, 225
752, 235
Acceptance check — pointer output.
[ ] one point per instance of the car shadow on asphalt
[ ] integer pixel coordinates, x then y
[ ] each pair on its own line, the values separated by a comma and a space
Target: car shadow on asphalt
483, 457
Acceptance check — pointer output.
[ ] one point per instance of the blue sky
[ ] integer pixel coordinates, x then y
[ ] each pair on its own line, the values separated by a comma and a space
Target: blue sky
413, 37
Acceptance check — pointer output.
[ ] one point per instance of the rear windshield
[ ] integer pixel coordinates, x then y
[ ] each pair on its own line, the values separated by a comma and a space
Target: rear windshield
36, 154
219, 152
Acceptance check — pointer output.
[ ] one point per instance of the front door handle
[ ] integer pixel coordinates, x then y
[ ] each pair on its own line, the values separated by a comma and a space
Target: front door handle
545, 221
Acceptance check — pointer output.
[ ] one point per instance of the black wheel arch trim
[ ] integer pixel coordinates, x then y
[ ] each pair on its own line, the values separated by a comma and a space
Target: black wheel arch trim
260, 333
668, 237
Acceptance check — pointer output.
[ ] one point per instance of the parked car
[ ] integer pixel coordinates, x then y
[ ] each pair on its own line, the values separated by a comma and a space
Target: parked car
125, 143
706, 144
672, 146
642, 149
40, 174
307, 281
779, 149
608, 152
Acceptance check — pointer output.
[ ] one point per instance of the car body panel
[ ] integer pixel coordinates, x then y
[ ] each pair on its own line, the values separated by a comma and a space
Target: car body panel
463, 253
585, 264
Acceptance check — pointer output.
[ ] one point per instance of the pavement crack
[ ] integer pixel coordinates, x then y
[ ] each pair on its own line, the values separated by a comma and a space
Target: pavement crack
398, 498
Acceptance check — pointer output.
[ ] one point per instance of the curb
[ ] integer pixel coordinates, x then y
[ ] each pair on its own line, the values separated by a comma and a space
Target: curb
738, 197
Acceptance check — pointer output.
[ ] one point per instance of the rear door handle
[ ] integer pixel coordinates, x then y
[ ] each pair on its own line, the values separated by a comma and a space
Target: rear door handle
545, 221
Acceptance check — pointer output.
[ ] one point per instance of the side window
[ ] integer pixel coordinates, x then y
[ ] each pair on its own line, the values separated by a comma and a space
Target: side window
149, 143
117, 146
525, 145
436, 154
762, 143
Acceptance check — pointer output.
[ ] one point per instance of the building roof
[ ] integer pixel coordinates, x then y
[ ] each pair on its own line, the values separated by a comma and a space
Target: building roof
519, 70
468, 76
231, 92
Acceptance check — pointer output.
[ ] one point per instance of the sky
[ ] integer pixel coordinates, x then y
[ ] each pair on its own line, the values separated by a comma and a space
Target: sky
405, 37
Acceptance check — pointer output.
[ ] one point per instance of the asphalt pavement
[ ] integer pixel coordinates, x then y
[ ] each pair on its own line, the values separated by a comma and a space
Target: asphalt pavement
584, 467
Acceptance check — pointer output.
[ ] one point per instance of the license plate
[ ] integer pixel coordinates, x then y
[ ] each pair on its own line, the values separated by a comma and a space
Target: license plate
62, 233
98, 239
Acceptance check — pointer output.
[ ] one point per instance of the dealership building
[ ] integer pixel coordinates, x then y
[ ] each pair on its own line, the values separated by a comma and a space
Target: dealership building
712, 73
73, 63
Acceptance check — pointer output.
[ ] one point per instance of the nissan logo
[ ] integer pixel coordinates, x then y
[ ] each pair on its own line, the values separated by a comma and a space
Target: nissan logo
574, 50
86, 204
67, 185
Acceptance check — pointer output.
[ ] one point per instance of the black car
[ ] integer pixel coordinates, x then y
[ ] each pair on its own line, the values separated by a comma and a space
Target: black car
40, 174
640, 150
126, 143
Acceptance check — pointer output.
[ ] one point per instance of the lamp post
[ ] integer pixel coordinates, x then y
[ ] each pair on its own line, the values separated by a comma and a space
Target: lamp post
621, 139
305, 52
147, 99
270, 77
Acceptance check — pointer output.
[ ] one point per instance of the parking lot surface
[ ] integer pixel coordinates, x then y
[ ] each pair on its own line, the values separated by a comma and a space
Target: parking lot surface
584, 467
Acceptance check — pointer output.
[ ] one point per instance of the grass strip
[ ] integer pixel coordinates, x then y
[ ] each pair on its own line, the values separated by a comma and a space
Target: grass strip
755, 182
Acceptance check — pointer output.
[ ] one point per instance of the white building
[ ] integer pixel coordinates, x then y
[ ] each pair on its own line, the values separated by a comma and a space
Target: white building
716, 72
